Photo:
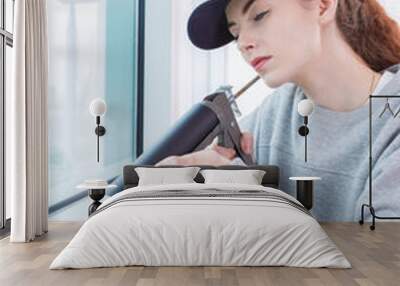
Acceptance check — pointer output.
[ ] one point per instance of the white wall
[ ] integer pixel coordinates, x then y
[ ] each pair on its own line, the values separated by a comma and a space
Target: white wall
392, 8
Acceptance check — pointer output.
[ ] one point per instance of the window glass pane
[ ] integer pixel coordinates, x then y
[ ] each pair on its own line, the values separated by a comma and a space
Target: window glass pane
9, 15
91, 55
8, 81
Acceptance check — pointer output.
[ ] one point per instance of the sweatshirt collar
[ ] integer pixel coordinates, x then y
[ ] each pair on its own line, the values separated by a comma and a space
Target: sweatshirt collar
393, 86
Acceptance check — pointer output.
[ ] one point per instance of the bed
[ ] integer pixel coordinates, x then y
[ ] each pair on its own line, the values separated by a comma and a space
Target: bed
201, 224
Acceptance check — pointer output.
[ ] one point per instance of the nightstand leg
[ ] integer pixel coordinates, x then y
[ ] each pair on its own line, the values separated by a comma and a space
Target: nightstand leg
93, 207
304, 193
96, 195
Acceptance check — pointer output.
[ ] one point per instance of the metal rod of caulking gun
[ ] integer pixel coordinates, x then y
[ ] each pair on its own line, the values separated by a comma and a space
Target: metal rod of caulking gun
246, 87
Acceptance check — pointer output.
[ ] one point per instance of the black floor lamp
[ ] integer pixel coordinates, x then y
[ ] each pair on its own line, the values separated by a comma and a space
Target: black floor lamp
370, 205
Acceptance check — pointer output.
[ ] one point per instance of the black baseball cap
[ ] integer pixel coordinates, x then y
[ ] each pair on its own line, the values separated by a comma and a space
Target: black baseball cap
208, 27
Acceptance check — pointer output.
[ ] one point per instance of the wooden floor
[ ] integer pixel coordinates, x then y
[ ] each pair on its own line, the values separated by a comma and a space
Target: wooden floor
375, 257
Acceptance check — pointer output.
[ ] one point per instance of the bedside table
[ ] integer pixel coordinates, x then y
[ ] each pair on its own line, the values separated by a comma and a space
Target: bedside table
304, 190
96, 193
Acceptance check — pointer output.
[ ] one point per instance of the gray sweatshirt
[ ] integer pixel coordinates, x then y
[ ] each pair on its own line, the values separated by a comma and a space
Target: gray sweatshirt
338, 150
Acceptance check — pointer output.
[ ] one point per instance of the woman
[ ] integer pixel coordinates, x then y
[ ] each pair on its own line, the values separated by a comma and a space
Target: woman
336, 53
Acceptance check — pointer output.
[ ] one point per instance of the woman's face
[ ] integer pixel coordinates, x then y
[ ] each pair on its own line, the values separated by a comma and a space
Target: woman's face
284, 33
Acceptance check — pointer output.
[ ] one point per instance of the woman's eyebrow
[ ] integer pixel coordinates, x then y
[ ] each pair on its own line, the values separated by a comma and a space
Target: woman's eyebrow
244, 11
247, 6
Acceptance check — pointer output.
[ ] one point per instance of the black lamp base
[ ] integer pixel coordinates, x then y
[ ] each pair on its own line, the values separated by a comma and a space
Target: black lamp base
100, 130
304, 131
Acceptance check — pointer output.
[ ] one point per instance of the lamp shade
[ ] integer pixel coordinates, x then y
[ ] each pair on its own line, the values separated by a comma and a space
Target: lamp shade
98, 107
305, 107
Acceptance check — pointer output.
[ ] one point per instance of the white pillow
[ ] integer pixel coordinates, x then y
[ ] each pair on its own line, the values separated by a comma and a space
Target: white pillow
162, 176
248, 177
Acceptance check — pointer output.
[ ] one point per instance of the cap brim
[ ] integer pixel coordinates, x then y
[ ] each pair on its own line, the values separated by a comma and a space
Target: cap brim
207, 26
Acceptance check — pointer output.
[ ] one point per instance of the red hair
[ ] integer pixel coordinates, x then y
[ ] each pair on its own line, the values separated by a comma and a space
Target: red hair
371, 33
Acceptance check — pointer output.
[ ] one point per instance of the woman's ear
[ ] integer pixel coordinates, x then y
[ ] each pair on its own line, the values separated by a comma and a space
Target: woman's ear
327, 10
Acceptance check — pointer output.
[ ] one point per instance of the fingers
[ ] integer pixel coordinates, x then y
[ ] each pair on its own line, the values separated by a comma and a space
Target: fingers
213, 144
229, 153
246, 142
212, 155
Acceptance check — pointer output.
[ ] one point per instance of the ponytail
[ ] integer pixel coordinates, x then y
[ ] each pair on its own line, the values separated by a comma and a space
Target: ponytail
370, 32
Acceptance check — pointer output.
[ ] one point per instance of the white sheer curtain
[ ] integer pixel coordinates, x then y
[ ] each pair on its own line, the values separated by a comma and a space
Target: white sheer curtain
194, 73
26, 130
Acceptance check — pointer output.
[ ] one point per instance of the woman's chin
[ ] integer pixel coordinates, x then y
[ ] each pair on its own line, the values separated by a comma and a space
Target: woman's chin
272, 79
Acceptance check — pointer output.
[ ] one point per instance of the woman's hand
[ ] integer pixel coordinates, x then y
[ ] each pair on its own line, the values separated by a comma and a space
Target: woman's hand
246, 143
213, 155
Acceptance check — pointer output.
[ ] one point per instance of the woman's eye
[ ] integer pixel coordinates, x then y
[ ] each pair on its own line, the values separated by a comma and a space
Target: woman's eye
261, 15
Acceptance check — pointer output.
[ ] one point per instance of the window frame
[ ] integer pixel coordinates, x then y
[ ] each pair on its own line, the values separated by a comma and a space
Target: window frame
6, 39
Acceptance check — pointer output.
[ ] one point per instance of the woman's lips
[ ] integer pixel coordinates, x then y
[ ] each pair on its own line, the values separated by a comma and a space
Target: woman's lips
258, 63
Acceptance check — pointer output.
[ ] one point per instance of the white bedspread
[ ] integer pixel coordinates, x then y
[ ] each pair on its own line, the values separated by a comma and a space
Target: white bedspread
200, 231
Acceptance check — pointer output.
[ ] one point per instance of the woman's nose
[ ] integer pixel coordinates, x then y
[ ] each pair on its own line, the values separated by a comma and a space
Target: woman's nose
246, 43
